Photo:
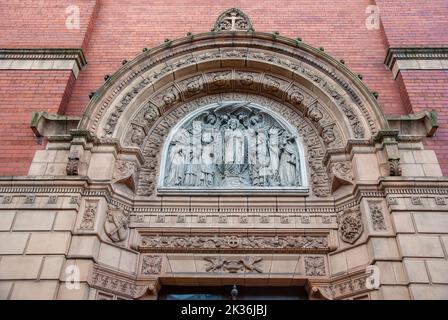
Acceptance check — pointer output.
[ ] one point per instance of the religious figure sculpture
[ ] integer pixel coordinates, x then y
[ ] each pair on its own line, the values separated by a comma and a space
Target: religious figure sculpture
234, 145
288, 162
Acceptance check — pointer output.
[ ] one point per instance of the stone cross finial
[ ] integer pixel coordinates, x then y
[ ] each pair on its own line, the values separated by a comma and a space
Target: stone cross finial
233, 20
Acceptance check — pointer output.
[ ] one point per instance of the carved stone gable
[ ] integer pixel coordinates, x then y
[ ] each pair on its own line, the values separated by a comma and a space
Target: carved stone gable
233, 20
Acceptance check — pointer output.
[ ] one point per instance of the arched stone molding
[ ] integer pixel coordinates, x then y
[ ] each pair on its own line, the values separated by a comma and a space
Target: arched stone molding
315, 146
159, 75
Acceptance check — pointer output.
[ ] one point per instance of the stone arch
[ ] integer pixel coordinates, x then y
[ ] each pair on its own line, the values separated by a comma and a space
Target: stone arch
280, 68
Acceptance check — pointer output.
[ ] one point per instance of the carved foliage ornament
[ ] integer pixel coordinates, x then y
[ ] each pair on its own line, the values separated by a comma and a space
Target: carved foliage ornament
233, 20
88, 217
231, 242
233, 265
151, 265
315, 266
376, 214
350, 225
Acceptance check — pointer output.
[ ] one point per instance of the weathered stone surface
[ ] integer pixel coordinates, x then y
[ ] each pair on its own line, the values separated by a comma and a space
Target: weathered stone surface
48, 243
20, 267
64, 221
5, 289
82, 293
403, 222
6, 219
429, 292
34, 220
52, 267
395, 293
431, 222
420, 246
84, 247
384, 248
416, 270
438, 270
109, 255
31, 290
13, 242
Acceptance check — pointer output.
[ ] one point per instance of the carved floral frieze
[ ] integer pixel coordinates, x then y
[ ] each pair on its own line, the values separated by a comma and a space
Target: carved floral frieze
191, 243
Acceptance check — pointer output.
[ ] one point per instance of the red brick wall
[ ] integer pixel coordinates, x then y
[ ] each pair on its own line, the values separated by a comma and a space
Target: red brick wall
41, 23
428, 89
414, 23
22, 92
115, 30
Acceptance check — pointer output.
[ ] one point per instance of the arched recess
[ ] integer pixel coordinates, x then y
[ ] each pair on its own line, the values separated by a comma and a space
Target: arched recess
144, 99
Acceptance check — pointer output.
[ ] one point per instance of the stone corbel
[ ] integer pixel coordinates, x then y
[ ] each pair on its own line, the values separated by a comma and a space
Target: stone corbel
421, 124
389, 141
46, 124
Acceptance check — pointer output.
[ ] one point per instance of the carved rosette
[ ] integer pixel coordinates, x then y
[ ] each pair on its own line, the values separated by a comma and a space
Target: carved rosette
350, 225
151, 264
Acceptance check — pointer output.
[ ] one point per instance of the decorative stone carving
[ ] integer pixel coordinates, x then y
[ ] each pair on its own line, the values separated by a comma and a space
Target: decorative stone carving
416, 201
234, 145
151, 265
7, 200
233, 20
72, 165
52, 199
117, 284
137, 136
124, 173
440, 201
222, 264
376, 214
341, 173
319, 177
394, 167
88, 217
30, 199
116, 225
354, 285
315, 266
230, 242
350, 225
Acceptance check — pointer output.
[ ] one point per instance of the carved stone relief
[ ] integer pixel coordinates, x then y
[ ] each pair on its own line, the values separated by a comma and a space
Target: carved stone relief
151, 264
88, 217
232, 242
315, 266
376, 214
233, 20
116, 224
314, 146
233, 145
350, 225
231, 265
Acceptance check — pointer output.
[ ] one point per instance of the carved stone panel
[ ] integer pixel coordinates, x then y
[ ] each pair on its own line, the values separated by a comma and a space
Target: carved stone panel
233, 145
350, 225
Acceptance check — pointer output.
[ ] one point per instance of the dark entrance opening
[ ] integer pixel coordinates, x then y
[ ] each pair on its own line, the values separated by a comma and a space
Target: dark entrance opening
232, 293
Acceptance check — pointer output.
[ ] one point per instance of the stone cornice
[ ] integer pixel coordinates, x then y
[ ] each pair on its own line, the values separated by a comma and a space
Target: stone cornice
416, 59
43, 59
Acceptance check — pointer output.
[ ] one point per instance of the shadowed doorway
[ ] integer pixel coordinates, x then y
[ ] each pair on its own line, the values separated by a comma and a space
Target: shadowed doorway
232, 293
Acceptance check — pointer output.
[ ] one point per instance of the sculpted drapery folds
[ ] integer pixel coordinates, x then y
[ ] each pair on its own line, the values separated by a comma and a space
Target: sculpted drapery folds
233, 145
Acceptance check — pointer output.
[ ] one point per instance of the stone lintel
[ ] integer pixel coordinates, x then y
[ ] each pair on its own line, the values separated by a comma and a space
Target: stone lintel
43, 59
416, 59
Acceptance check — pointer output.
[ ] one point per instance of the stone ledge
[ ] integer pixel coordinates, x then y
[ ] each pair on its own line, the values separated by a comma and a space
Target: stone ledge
416, 59
42, 59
